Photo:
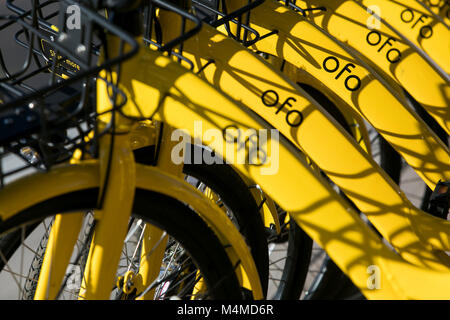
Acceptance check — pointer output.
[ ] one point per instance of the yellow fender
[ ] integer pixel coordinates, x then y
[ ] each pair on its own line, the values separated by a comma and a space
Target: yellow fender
305, 45
396, 58
440, 8
317, 135
215, 217
85, 175
416, 24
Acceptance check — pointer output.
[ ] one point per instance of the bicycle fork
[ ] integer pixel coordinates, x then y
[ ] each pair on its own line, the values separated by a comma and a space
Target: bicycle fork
110, 229
103, 256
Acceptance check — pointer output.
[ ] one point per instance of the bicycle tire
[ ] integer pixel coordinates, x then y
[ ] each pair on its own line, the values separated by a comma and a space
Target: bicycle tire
295, 268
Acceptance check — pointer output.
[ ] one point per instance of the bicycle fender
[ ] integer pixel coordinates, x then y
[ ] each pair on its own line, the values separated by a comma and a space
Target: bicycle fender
416, 24
378, 43
216, 218
308, 47
441, 8
188, 103
85, 175
231, 74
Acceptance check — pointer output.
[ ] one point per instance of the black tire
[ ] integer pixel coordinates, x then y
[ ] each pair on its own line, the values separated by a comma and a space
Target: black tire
296, 264
164, 212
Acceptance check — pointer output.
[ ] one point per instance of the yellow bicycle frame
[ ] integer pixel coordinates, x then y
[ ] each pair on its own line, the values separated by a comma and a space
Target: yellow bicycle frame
355, 122
416, 24
181, 99
166, 91
441, 8
308, 47
380, 45
349, 242
231, 73
106, 246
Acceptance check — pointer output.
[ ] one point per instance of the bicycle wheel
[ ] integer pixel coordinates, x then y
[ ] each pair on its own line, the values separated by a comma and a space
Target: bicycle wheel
290, 255
232, 195
207, 260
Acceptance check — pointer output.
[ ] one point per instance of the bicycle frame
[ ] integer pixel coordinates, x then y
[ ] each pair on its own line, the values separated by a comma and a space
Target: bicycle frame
166, 90
296, 36
354, 121
440, 8
414, 22
400, 60
181, 106
348, 241
104, 253
231, 73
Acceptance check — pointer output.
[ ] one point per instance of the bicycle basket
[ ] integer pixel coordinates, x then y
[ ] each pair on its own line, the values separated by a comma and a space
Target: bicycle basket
236, 21
49, 62
155, 36
292, 4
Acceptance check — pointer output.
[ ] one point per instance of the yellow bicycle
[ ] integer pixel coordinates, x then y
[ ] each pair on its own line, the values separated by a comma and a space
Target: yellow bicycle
159, 89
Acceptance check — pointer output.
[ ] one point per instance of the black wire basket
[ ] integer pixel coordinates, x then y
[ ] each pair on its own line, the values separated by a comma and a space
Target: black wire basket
292, 4
49, 63
173, 44
213, 12
217, 13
